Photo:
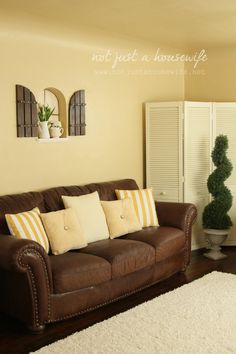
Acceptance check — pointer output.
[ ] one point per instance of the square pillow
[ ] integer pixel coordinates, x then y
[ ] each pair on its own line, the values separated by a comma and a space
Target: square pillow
63, 231
144, 205
90, 214
28, 225
121, 217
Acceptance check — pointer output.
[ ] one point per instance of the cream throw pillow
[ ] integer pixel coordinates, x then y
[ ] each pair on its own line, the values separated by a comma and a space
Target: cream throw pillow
121, 217
28, 225
143, 203
63, 231
90, 215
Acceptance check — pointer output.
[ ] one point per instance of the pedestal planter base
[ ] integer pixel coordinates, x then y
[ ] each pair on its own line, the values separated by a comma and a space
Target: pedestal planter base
215, 254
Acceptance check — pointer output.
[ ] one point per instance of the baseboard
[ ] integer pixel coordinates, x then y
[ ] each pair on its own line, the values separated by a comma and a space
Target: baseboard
229, 243
198, 251
204, 244
197, 246
203, 249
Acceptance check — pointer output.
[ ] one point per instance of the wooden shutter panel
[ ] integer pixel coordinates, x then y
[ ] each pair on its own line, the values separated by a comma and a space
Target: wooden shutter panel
197, 147
26, 112
77, 113
197, 161
164, 162
225, 123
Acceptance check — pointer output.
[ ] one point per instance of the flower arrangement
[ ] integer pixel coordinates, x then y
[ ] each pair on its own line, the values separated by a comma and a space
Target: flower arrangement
45, 112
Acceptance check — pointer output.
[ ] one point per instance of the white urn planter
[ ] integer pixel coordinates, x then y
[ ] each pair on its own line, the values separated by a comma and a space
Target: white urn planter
215, 239
43, 130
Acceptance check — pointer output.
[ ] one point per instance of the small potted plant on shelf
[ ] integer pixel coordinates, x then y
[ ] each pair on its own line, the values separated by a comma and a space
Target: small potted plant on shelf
44, 113
216, 221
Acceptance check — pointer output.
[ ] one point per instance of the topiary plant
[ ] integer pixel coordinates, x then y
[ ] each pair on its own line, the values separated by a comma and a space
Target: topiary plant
215, 213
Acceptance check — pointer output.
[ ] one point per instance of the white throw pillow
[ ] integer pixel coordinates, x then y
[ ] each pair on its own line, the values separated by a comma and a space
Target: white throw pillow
90, 215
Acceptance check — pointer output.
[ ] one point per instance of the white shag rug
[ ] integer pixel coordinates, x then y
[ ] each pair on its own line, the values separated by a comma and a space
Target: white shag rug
197, 318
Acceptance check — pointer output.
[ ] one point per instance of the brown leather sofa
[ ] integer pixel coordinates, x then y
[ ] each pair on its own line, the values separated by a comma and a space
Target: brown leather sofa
38, 288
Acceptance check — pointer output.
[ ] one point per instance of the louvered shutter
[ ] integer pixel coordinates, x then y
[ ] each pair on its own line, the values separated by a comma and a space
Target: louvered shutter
77, 113
164, 150
26, 112
225, 123
197, 160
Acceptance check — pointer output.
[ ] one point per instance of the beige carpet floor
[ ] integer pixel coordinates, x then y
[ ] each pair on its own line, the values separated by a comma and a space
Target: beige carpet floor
197, 318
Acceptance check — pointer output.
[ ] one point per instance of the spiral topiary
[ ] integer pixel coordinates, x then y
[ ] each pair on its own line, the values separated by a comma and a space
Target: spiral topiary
215, 213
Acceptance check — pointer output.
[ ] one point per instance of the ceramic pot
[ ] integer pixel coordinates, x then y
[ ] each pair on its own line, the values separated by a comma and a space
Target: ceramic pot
43, 130
56, 132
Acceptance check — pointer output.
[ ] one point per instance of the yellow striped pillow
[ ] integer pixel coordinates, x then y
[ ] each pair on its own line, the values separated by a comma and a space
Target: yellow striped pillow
143, 203
28, 225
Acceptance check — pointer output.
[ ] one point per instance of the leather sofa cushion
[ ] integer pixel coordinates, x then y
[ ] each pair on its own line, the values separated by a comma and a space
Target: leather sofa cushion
73, 271
125, 256
167, 241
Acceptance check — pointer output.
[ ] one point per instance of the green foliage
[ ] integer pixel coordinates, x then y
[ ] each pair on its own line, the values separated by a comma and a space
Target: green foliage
215, 213
44, 112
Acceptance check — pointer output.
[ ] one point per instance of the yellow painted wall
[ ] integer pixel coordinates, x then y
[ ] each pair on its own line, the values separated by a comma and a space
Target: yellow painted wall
113, 145
216, 79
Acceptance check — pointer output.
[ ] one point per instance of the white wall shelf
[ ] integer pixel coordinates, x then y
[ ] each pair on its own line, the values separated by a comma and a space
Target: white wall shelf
52, 140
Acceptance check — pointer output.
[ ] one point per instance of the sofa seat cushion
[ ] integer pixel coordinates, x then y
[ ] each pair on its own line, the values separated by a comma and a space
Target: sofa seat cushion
73, 271
167, 241
125, 256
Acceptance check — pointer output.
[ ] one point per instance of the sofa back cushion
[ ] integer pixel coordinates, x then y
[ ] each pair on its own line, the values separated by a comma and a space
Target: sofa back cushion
17, 203
50, 199
106, 191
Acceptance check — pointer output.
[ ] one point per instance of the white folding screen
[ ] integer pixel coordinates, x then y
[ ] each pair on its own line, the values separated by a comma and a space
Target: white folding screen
179, 140
164, 162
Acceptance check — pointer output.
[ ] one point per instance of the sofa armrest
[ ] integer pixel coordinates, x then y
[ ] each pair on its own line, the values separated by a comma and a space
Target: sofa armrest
15, 254
25, 272
181, 216
177, 215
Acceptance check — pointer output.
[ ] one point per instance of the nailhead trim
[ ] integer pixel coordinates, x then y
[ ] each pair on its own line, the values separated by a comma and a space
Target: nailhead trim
33, 282
189, 220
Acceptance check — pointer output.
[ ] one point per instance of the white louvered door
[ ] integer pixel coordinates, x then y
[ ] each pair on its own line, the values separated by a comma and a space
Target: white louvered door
164, 150
197, 160
225, 123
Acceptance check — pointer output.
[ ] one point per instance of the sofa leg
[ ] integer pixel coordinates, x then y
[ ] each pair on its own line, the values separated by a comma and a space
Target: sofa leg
36, 329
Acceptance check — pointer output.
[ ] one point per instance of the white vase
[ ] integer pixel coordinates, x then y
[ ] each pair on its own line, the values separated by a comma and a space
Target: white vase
43, 130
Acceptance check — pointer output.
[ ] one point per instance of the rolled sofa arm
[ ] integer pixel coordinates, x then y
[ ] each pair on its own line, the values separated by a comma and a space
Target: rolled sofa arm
25, 273
13, 252
176, 214
181, 216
